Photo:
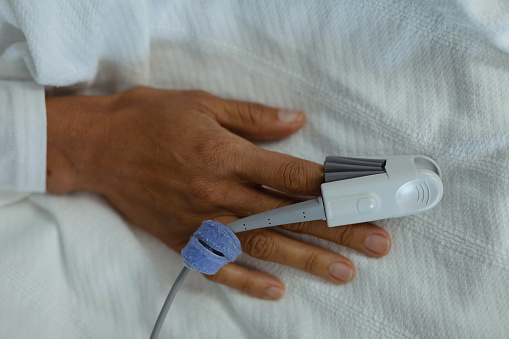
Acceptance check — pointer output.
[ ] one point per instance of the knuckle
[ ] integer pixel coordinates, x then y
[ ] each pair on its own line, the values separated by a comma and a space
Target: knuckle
251, 113
216, 153
204, 192
295, 227
260, 245
347, 236
294, 177
285, 201
311, 262
245, 286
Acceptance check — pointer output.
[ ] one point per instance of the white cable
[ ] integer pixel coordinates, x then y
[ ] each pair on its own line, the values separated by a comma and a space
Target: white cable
402, 185
167, 303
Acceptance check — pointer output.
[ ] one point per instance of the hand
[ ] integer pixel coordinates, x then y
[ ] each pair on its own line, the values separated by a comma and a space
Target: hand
168, 160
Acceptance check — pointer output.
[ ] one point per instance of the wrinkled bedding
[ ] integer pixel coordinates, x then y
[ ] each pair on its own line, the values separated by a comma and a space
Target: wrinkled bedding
375, 78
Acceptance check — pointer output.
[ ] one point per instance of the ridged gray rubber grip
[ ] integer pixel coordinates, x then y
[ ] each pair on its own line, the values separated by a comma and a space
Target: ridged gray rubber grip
342, 168
303, 211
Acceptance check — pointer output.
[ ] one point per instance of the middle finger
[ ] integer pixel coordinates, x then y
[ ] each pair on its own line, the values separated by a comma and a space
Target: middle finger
364, 237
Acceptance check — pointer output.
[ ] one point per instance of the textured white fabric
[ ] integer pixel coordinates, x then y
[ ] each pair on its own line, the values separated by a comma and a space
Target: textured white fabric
22, 116
375, 77
22, 136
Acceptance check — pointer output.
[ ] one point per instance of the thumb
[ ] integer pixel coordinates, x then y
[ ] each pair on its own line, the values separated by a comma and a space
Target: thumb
259, 121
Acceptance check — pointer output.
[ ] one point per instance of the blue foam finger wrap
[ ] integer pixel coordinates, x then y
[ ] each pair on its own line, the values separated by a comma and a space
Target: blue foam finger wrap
212, 246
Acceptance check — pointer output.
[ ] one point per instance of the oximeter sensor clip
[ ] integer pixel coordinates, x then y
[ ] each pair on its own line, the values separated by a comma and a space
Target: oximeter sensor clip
360, 190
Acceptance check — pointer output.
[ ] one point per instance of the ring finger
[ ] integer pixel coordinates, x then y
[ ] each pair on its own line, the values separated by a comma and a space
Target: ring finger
364, 237
268, 245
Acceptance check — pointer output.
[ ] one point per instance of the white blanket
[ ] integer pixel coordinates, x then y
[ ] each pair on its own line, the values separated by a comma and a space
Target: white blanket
375, 77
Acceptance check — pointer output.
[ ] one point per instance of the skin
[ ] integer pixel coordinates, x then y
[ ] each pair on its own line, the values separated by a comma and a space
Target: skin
167, 160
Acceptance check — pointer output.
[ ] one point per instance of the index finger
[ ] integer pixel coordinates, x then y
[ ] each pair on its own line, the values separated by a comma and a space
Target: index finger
280, 171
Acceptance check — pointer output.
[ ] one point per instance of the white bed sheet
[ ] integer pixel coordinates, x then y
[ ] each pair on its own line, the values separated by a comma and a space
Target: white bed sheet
375, 77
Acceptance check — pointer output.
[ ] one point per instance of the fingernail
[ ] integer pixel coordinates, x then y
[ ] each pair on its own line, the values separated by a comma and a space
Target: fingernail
377, 243
289, 117
341, 271
274, 292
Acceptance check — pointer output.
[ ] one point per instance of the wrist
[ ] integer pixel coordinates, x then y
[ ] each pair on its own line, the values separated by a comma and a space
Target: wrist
75, 127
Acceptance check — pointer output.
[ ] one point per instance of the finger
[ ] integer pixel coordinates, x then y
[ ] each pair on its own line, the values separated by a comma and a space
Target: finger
365, 237
268, 245
244, 200
254, 283
254, 120
280, 171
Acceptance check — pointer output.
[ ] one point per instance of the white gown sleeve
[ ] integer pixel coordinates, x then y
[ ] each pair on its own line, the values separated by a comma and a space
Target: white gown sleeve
22, 114
55, 43
22, 136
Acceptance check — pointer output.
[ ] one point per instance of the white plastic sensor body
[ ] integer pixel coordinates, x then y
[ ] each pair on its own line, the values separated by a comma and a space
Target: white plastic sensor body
409, 184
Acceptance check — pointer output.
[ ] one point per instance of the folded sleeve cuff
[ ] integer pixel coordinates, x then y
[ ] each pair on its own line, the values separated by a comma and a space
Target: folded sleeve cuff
22, 136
